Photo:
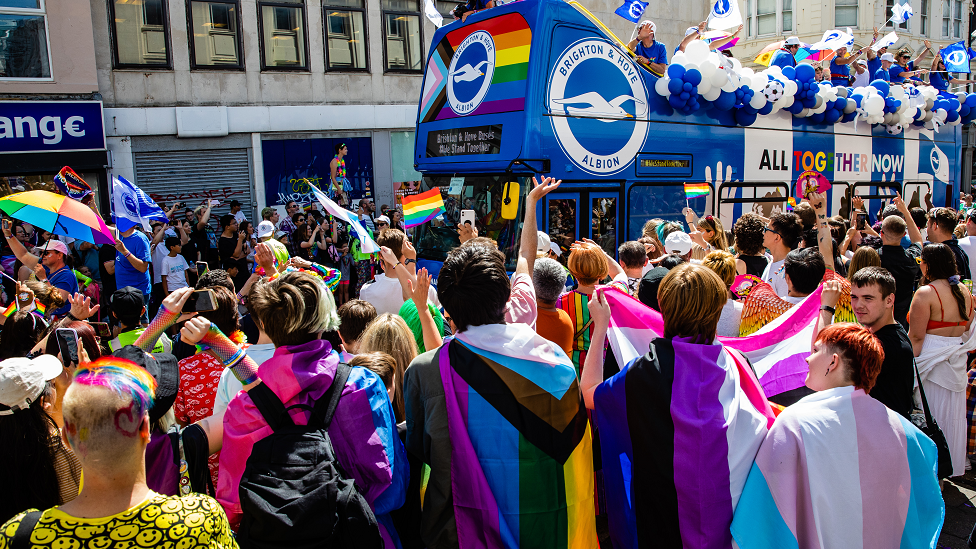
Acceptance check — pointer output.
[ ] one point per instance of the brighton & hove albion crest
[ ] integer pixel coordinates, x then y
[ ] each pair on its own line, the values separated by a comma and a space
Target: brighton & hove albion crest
470, 73
599, 106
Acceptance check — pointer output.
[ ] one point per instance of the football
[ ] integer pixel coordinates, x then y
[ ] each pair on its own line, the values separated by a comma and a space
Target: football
894, 129
773, 90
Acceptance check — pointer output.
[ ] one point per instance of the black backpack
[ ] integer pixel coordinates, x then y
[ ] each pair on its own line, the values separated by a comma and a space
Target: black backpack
293, 492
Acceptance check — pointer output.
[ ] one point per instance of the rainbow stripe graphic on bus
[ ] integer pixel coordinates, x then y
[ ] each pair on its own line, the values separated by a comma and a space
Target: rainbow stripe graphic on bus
478, 69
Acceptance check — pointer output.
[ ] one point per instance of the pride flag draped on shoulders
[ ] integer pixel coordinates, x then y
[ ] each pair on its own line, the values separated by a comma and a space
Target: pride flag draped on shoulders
679, 428
806, 490
514, 468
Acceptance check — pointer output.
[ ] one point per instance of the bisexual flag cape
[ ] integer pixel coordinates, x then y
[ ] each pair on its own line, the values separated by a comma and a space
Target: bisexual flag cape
522, 457
839, 469
679, 429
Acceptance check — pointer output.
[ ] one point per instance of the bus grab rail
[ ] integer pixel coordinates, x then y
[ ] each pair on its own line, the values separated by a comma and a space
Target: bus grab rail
522, 162
757, 199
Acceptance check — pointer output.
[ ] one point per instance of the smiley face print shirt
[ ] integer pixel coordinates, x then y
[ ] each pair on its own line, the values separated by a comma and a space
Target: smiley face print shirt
189, 522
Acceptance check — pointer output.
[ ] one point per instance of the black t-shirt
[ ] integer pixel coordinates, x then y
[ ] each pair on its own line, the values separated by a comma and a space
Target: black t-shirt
755, 264
106, 253
647, 291
962, 260
225, 248
903, 265
895, 384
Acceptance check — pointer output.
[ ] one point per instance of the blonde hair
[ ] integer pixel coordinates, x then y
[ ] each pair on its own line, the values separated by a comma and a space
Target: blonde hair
390, 334
711, 223
865, 256
691, 299
723, 263
381, 364
588, 263
293, 308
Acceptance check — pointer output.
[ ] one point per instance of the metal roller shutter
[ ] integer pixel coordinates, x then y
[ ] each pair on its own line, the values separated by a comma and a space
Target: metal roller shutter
193, 176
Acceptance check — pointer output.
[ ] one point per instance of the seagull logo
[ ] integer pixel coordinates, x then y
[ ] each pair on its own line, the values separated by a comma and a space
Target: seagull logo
598, 107
721, 7
636, 10
467, 73
130, 205
956, 58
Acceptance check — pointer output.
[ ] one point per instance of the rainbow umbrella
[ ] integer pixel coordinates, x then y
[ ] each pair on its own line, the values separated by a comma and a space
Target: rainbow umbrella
57, 214
805, 54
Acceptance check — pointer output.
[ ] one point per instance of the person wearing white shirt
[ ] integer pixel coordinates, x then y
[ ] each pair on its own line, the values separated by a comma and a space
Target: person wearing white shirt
968, 242
783, 234
385, 291
237, 212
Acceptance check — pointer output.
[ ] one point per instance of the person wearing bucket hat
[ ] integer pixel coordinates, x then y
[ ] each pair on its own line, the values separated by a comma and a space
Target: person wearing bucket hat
107, 425
39, 470
53, 257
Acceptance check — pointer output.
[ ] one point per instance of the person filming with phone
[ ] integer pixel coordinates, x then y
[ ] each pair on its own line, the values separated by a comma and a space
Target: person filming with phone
127, 309
54, 261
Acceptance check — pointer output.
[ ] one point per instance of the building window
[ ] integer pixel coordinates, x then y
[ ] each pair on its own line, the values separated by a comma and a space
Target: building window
845, 13
891, 4
952, 18
445, 8
23, 40
766, 16
215, 41
923, 17
749, 18
787, 16
282, 32
401, 22
345, 34
141, 33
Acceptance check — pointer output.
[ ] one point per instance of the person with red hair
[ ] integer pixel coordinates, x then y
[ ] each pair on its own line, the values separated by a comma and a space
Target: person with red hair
838, 460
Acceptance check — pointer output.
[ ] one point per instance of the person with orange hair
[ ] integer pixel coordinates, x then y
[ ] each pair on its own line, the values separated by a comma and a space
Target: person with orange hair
588, 263
838, 460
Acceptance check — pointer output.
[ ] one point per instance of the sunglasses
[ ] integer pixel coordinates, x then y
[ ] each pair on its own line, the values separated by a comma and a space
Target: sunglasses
768, 230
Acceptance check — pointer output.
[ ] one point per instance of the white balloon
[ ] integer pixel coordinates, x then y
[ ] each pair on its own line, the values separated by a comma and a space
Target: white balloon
784, 102
791, 87
707, 69
758, 101
874, 104
712, 94
941, 113
758, 82
719, 78
697, 51
736, 64
897, 92
680, 58
661, 87
704, 86
745, 72
689, 66
730, 86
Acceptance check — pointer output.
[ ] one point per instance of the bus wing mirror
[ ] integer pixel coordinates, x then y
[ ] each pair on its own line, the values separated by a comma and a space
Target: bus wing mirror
510, 200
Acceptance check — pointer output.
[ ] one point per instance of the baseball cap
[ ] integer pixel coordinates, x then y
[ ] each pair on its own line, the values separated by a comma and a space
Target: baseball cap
792, 41
127, 302
888, 57
862, 62
164, 368
678, 243
555, 249
651, 23
55, 245
22, 380
543, 244
265, 229
234, 203
690, 30
382, 219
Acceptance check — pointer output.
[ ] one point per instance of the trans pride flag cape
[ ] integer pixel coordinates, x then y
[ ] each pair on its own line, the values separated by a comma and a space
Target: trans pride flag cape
777, 351
678, 436
839, 469
522, 458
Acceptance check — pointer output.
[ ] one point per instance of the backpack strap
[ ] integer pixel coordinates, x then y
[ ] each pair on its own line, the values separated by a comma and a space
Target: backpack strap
22, 536
325, 407
270, 406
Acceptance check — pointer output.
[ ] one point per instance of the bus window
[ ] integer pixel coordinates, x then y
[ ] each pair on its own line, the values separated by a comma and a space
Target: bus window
483, 194
659, 201
603, 223
563, 212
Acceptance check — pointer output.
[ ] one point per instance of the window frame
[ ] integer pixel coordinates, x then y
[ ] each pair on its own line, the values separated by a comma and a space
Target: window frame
890, 24
302, 7
136, 66
948, 19
192, 44
857, 14
792, 11
751, 22
420, 28
924, 18
325, 36
41, 11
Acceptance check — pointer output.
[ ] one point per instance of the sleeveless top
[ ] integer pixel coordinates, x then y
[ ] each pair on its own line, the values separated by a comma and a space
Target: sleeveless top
755, 264
936, 324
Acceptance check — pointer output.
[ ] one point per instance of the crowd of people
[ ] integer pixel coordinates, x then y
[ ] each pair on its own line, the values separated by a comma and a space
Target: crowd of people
292, 408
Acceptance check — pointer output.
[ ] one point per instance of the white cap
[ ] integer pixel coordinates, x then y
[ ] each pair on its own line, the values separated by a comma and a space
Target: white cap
382, 219
862, 62
651, 23
690, 30
887, 56
678, 243
22, 380
543, 245
55, 245
792, 41
555, 249
265, 229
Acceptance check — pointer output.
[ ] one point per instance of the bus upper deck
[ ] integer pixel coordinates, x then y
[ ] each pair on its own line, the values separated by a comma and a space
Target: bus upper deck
541, 87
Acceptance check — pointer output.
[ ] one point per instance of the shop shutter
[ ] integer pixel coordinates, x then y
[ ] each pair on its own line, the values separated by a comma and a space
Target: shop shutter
192, 176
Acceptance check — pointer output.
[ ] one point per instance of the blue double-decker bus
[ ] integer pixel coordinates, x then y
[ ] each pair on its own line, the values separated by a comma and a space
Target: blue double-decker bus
543, 88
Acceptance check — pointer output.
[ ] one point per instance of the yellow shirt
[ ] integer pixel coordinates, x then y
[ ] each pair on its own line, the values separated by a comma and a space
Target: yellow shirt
188, 522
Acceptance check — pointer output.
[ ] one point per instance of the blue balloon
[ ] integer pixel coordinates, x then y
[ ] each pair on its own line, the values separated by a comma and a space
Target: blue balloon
676, 71
964, 110
831, 116
882, 87
952, 116
684, 95
954, 104
805, 73
857, 98
841, 103
918, 123
687, 86
693, 76
919, 114
767, 108
971, 100
674, 86
848, 117
744, 118
817, 118
750, 109
789, 72
676, 101
725, 101
796, 107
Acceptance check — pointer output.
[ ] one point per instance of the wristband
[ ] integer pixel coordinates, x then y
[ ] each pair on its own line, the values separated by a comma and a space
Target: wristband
827, 308
127, 254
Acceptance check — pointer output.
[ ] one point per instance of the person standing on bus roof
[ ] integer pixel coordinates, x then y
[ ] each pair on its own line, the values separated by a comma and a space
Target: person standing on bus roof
874, 57
840, 70
649, 52
786, 56
883, 72
861, 75
693, 33
940, 79
474, 6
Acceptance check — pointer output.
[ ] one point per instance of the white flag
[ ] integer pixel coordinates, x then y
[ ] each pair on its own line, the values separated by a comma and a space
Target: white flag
886, 41
901, 13
367, 244
832, 40
132, 206
431, 12
724, 15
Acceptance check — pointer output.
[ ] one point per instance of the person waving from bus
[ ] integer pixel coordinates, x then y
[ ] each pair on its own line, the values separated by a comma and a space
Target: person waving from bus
840, 70
649, 52
940, 79
693, 33
786, 56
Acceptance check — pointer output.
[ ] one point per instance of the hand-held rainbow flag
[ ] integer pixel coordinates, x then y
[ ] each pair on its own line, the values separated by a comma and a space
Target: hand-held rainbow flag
694, 190
11, 309
421, 208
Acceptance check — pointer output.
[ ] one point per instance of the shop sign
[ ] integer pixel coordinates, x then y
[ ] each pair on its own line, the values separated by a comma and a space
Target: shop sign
51, 126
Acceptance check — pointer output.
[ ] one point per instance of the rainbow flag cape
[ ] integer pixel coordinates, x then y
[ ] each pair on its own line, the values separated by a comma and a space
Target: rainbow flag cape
421, 208
839, 469
522, 455
693, 190
11, 309
678, 434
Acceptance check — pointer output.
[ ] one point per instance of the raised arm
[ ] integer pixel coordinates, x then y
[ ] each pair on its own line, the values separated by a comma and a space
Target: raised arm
824, 240
200, 330
529, 242
691, 37
592, 375
914, 235
168, 315
28, 259
717, 44
418, 293
829, 297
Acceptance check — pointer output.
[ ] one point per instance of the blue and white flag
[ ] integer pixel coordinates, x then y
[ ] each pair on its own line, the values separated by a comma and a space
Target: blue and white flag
901, 13
724, 15
366, 242
133, 207
631, 10
833, 40
956, 57
886, 41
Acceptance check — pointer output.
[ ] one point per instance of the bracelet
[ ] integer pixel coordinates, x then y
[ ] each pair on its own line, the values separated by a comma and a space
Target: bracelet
827, 308
70, 316
397, 265
127, 254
